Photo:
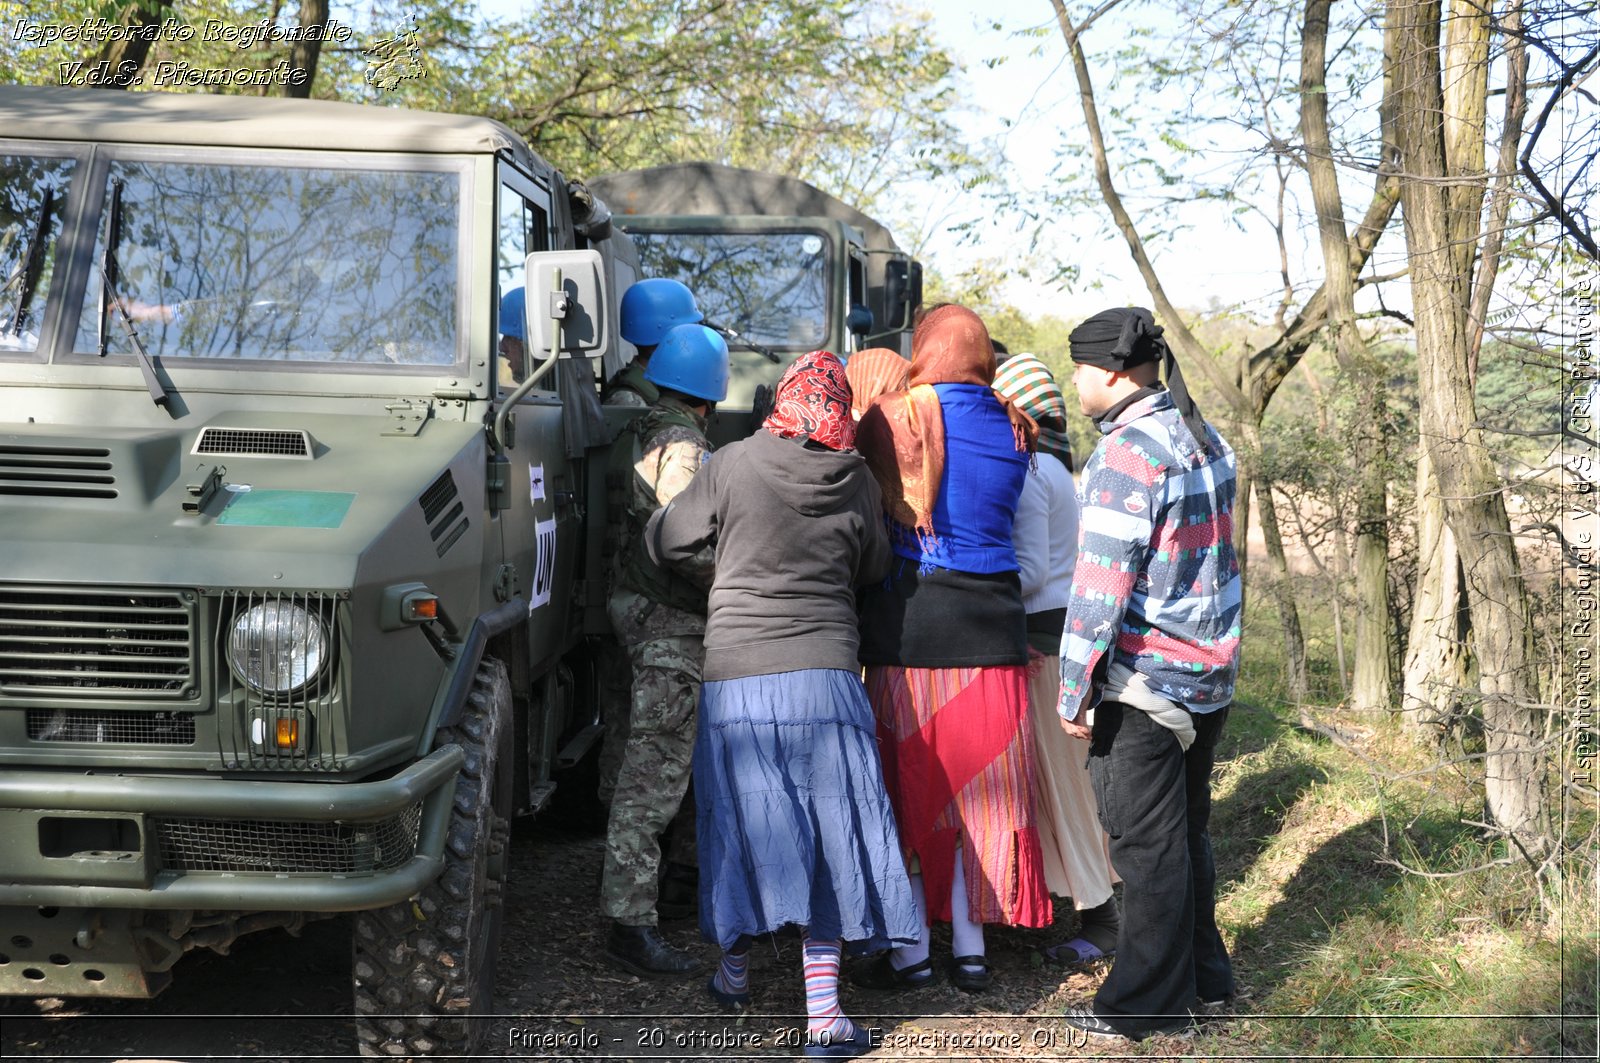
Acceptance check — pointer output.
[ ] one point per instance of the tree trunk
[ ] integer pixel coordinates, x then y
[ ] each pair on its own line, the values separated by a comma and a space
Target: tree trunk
303, 55
1473, 504
1435, 672
1371, 689
124, 56
1296, 672
1241, 524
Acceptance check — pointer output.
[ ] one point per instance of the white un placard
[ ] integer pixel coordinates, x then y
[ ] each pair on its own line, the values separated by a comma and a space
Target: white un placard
544, 564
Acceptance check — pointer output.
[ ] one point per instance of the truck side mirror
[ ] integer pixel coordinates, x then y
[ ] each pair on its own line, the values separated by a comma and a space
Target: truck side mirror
902, 291
580, 304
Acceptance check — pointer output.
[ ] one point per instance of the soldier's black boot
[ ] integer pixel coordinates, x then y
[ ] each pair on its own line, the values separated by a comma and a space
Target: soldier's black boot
641, 950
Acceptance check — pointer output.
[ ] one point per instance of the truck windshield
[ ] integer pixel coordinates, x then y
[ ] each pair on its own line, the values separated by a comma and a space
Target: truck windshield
279, 263
772, 288
33, 191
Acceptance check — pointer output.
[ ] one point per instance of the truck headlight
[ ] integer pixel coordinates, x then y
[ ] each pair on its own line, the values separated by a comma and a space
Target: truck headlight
277, 647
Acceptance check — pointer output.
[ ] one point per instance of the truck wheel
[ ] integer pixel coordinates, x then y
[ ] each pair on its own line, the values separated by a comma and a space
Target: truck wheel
424, 968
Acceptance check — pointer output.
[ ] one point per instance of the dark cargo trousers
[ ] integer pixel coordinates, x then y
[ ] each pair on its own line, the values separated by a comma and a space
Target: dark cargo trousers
1155, 803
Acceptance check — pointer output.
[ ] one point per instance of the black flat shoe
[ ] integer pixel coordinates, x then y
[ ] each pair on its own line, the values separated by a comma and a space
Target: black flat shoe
972, 981
732, 1001
880, 974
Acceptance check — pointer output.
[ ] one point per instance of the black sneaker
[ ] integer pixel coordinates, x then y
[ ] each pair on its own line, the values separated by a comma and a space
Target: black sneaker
1082, 1017
641, 950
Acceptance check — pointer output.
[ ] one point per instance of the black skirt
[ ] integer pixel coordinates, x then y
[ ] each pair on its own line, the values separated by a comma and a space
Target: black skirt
941, 618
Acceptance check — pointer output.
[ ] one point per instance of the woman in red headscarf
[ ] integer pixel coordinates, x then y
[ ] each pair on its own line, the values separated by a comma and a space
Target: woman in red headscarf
944, 639
795, 825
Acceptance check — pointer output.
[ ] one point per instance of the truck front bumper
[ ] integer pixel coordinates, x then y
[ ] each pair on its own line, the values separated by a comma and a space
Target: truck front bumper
161, 842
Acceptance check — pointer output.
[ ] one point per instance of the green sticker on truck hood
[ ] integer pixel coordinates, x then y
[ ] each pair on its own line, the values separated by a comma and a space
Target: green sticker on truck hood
288, 509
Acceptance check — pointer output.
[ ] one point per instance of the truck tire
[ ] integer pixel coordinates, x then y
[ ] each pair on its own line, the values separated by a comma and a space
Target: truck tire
424, 968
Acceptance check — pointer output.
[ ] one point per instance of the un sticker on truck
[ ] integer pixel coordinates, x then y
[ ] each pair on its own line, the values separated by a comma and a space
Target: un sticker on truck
544, 564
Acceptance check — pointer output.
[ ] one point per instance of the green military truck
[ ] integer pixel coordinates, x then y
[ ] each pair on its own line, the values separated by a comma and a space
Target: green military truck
299, 590
783, 265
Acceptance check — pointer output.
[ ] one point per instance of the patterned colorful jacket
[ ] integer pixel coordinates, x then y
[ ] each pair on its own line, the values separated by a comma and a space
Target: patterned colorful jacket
1156, 576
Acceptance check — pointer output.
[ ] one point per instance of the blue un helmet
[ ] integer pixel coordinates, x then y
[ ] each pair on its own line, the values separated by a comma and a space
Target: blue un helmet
692, 359
650, 307
512, 312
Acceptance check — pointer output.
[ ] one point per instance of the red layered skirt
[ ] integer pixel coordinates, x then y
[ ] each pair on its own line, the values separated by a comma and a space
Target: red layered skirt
957, 754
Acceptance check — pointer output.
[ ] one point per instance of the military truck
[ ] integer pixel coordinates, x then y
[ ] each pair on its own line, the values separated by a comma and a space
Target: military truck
299, 592
784, 266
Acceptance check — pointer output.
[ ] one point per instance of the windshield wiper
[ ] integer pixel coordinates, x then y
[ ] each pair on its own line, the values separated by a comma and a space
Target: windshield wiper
734, 336
111, 297
32, 263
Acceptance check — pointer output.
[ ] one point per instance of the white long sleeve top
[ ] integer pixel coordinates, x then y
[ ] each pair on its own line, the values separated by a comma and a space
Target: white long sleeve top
1045, 535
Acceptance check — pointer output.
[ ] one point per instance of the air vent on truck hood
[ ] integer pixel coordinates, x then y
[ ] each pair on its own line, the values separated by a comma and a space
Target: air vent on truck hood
56, 471
440, 508
253, 442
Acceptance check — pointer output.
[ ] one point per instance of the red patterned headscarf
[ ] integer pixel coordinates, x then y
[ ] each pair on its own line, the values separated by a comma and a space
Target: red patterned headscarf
813, 402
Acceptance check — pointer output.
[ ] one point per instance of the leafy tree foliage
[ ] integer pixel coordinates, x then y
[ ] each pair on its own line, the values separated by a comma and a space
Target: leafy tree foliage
854, 97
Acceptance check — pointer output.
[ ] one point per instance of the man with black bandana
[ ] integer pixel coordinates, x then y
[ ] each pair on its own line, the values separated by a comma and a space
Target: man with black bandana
1148, 662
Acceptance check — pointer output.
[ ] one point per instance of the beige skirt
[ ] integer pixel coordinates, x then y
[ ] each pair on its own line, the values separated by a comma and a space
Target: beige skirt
1077, 861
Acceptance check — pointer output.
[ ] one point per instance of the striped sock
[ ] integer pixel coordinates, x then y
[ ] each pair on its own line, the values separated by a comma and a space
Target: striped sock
733, 974
825, 1023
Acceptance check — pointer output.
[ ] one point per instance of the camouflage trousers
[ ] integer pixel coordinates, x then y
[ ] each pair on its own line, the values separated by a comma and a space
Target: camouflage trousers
616, 707
616, 712
654, 775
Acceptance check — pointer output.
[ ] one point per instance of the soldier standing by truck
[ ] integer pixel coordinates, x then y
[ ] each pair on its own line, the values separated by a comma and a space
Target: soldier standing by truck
650, 308
660, 616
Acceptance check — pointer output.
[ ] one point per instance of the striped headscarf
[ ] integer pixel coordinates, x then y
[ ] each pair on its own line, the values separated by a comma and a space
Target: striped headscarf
873, 372
1028, 382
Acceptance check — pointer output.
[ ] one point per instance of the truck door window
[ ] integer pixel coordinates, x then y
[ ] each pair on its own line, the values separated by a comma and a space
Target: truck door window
524, 229
282, 263
33, 195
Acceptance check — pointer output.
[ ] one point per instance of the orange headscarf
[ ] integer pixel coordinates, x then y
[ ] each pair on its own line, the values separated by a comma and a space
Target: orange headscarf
902, 435
873, 372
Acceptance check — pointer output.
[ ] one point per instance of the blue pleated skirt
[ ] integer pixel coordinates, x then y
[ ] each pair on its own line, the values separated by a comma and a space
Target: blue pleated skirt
794, 824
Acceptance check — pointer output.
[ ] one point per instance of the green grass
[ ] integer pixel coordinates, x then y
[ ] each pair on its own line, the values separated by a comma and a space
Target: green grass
1348, 955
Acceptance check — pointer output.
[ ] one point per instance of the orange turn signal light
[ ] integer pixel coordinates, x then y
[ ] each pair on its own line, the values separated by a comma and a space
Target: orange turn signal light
419, 608
288, 733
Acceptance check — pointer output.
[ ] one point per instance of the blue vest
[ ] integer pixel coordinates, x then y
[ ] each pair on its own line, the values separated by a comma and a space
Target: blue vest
983, 476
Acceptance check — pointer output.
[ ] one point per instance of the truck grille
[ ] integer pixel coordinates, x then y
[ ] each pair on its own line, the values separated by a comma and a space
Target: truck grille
60, 642
56, 472
289, 847
132, 728
257, 442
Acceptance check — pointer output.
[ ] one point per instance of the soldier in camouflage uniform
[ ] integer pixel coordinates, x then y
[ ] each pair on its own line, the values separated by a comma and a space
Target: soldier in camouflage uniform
659, 615
649, 308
